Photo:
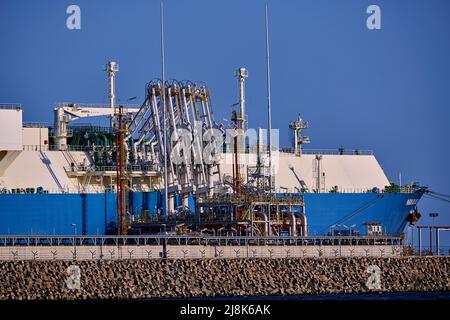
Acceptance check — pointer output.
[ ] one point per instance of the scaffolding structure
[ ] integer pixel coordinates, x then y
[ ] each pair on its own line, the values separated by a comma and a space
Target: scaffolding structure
189, 120
261, 214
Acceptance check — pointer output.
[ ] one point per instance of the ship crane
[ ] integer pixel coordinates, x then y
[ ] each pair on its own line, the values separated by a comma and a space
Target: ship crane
67, 112
304, 187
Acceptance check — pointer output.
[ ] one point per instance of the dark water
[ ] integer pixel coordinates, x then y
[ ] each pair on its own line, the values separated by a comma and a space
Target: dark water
362, 297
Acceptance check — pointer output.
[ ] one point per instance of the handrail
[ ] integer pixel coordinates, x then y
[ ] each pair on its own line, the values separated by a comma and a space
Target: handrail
208, 237
11, 106
51, 147
356, 152
141, 168
29, 124
331, 151
285, 150
65, 240
408, 190
94, 105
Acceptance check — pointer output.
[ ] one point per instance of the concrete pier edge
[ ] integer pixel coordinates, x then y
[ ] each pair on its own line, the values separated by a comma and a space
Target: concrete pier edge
187, 278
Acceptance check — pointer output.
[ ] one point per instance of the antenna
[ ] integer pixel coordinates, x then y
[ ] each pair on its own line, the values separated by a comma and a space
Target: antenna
269, 115
166, 193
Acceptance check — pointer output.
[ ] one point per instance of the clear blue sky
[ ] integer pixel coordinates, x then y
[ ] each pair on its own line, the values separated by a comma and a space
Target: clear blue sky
386, 90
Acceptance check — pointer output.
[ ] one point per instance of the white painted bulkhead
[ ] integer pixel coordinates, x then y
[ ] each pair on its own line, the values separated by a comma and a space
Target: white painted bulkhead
350, 173
47, 169
11, 129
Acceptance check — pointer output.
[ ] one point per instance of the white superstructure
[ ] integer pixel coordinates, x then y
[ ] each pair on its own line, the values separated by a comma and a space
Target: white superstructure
10, 127
349, 172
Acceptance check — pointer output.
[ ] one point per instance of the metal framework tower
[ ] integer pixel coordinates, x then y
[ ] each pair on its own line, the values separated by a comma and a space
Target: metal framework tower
188, 118
297, 127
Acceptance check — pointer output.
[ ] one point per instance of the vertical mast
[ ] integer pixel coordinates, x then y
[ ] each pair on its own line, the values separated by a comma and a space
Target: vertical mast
239, 139
163, 93
241, 74
112, 67
269, 115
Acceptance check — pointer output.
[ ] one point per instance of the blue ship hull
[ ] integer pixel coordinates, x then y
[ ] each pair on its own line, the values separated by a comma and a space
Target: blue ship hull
95, 213
391, 210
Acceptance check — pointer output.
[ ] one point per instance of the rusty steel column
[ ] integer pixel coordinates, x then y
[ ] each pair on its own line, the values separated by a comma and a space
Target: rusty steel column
120, 173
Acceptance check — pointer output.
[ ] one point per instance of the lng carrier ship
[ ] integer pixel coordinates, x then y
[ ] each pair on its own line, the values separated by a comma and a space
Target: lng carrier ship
217, 179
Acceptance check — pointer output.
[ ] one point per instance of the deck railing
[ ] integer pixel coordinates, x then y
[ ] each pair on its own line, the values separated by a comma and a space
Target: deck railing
331, 151
94, 105
129, 168
285, 150
201, 240
102, 190
11, 106
29, 124
49, 147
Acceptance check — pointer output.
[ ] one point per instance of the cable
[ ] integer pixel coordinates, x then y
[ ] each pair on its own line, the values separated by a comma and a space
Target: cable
439, 194
436, 198
354, 213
